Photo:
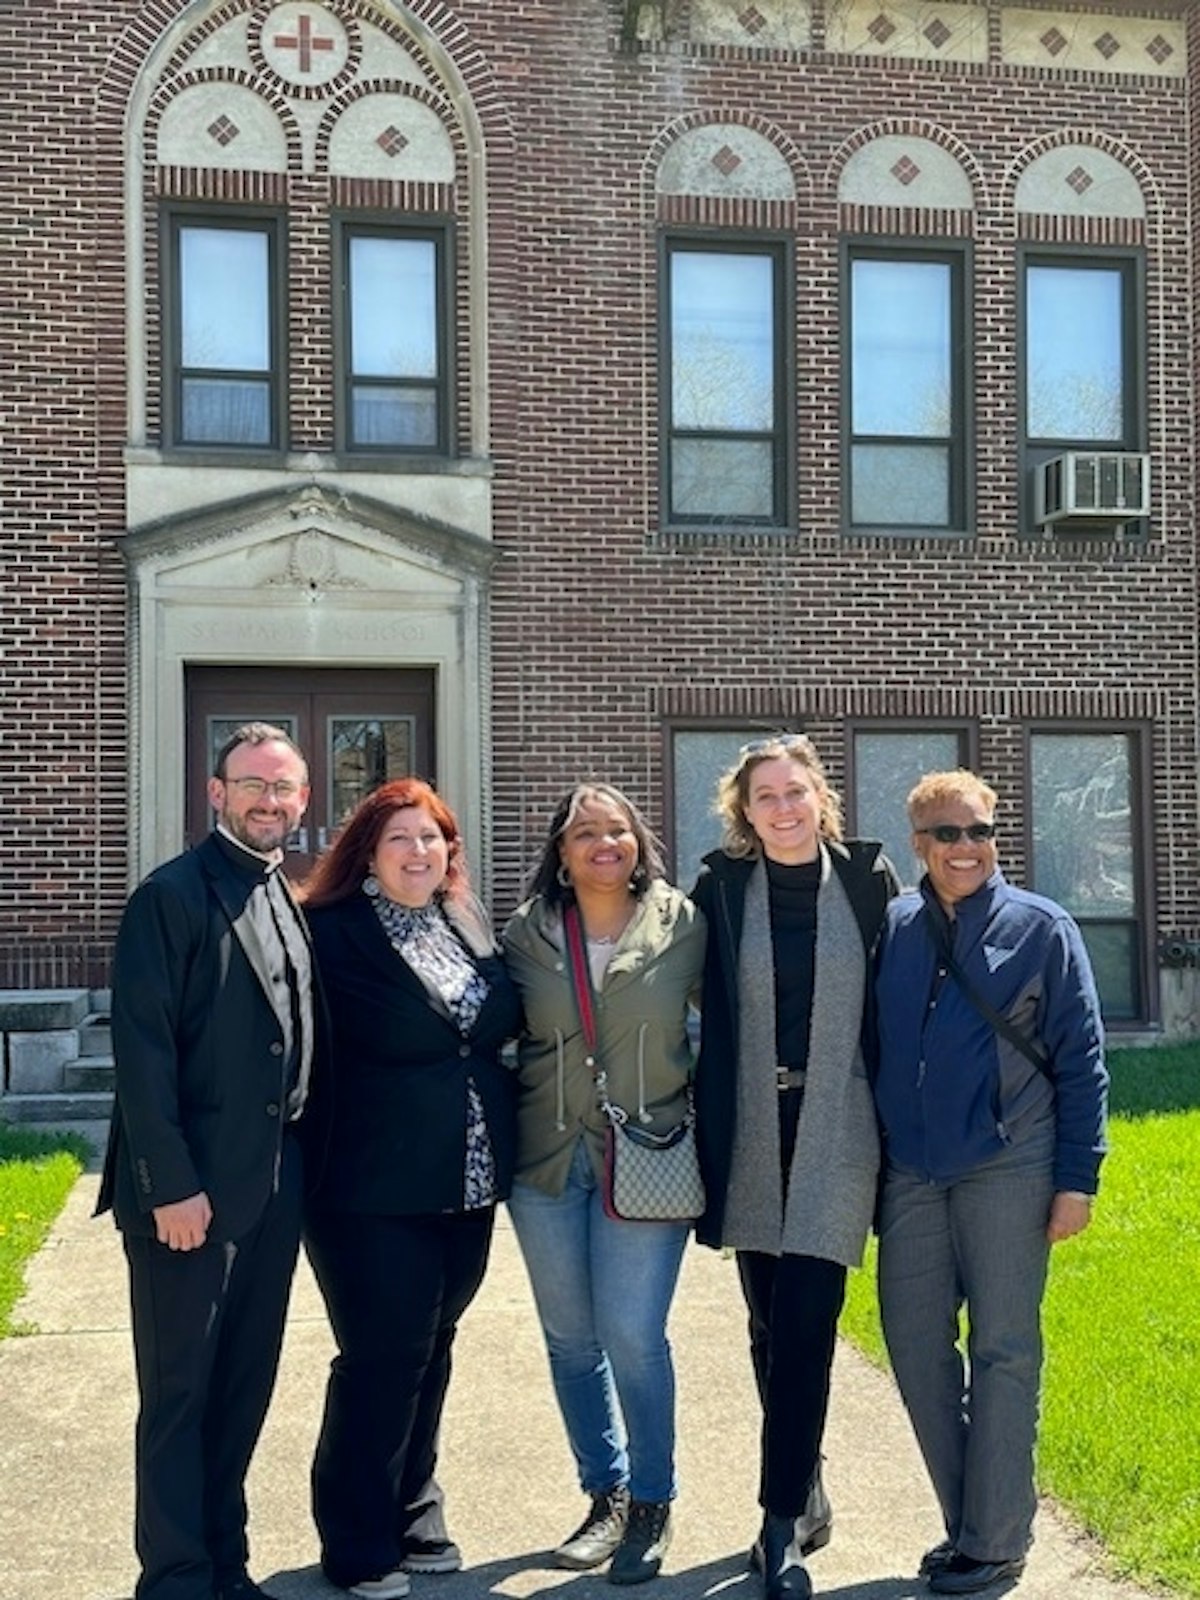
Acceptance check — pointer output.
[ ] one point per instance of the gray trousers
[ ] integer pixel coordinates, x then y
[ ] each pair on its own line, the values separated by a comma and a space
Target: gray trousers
980, 1244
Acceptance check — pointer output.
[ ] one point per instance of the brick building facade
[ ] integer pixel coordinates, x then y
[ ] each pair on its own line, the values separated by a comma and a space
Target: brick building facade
521, 391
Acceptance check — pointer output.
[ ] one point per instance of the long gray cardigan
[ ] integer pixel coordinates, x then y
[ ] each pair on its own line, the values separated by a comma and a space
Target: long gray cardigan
832, 1181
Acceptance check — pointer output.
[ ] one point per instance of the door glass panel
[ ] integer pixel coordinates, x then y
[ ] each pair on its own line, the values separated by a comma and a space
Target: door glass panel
363, 753
222, 728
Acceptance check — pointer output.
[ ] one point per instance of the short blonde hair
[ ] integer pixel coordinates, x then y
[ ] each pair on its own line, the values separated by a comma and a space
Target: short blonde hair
936, 788
733, 791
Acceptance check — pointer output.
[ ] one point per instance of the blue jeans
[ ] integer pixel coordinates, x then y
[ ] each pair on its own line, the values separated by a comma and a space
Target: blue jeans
603, 1290
980, 1244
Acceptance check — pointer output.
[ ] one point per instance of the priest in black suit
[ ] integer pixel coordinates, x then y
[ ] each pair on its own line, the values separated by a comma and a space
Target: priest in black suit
213, 1034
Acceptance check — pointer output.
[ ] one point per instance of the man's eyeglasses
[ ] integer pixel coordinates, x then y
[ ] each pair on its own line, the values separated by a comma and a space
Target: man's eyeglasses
255, 788
947, 833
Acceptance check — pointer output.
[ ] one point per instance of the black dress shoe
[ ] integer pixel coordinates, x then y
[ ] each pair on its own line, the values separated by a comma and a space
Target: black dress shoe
240, 1587
964, 1575
933, 1560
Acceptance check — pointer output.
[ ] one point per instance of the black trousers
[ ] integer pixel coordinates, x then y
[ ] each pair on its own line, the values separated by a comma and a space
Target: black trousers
207, 1331
395, 1288
794, 1304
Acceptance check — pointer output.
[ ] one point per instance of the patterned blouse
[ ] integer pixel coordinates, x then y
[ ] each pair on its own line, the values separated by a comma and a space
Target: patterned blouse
423, 938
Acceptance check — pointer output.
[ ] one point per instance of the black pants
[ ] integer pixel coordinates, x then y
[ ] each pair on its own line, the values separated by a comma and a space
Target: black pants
794, 1304
207, 1330
395, 1288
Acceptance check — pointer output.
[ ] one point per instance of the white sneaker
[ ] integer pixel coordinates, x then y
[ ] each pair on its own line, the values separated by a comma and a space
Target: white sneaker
391, 1586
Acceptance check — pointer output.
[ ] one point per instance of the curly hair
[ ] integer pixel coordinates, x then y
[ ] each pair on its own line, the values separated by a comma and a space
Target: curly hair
544, 880
341, 870
733, 790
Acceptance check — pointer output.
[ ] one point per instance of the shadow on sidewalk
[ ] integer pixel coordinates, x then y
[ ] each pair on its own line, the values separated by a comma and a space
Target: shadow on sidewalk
530, 1577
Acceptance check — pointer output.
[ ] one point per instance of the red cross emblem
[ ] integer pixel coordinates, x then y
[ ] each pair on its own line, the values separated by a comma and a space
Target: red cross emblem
304, 41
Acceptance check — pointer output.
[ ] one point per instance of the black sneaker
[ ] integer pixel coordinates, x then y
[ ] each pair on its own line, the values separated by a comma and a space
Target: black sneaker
599, 1534
647, 1536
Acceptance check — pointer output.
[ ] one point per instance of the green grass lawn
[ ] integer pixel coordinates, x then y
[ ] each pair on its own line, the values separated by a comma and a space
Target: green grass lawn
1120, 1441
36, 1174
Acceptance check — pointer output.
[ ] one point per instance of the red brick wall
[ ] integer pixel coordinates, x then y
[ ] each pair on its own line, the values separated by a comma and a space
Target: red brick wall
602, 626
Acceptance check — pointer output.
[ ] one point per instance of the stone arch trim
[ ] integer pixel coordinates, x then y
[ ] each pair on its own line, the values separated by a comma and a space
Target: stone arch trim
693, 120
1085, 138
912, 128
441, 108
170, 87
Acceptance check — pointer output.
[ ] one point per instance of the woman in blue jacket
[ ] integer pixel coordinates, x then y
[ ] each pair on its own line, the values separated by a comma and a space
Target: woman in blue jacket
991, 1091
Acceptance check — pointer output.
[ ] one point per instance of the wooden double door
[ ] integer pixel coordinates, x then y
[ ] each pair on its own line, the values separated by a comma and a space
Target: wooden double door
357, 727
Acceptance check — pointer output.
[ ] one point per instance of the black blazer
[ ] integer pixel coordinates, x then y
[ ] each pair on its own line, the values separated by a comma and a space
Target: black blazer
199, 1049
396, 1118
720, 891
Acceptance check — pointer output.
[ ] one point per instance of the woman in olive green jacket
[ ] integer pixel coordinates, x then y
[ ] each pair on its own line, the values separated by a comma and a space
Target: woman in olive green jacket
604, 1286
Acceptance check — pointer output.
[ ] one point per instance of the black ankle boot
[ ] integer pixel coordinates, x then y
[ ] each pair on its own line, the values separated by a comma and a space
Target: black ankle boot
783, 1559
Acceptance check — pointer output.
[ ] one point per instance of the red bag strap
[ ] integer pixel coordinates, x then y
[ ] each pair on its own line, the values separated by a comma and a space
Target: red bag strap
581, 979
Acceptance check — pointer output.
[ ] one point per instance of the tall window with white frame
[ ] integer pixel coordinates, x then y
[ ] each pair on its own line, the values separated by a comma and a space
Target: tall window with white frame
1082, 356
906, 449
394, 339
223, 275
725, 380
1086, 851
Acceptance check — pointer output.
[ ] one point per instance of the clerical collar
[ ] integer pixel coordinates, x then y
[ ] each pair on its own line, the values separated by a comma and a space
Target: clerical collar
272, 858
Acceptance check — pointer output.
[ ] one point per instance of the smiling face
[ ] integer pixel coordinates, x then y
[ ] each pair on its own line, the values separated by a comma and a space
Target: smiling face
955, 870
598, 847
783, 806
411, 857
261, 822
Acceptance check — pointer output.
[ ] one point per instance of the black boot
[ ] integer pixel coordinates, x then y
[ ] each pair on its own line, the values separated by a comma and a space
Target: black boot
783, 1567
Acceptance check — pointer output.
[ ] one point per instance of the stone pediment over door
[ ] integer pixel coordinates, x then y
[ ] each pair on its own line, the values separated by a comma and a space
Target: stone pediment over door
313, 577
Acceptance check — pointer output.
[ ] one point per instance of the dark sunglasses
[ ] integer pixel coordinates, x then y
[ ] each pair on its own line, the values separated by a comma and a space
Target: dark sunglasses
947, 833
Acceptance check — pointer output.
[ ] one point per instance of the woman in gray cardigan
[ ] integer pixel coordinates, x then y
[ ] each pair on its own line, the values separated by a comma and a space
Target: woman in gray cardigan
785, 1119
603, 1286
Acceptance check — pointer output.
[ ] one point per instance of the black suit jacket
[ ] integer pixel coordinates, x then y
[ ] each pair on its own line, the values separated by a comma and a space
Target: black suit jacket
395, 1110
200, 1068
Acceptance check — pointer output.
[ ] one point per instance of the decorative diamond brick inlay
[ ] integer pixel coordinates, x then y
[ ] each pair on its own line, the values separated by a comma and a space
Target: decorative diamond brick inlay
906, 171
937, 33
1079, 180
224, 130
1054, 41
752, 20
726, 161
882, 29
1107, 46
391, 141
1159, 49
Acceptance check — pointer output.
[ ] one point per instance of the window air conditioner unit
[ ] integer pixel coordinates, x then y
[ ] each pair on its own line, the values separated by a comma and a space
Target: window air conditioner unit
1088, 487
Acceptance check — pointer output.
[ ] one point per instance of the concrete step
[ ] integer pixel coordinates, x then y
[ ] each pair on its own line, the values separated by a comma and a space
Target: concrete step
91, 1074
95, 1037
33, 1010
42, 1108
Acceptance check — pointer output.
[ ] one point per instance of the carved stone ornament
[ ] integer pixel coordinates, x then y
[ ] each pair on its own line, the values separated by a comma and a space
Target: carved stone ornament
312, 564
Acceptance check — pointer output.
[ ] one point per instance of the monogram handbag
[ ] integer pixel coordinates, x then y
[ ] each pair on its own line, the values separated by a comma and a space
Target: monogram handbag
648, 1177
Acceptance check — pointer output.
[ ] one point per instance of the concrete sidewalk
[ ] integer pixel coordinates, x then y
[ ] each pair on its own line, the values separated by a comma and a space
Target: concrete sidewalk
66, 1426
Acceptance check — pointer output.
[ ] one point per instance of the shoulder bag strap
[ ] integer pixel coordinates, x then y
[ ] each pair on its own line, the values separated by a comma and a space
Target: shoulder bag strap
939, 932
581, 982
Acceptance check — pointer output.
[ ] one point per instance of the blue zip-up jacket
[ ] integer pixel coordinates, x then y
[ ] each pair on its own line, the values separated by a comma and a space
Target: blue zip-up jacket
951, 1091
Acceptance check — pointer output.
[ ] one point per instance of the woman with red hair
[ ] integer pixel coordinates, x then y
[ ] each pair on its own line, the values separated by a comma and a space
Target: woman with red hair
418, 1124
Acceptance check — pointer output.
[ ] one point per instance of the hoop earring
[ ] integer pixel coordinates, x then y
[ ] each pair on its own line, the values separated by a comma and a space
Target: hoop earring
563, 877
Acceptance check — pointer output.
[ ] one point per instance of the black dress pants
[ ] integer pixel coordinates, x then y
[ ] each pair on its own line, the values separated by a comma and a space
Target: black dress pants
794, 1304
207, 1331
395, 1288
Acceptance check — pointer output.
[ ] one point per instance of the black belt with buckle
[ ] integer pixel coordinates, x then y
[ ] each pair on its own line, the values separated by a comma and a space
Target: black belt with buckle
789, 1078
